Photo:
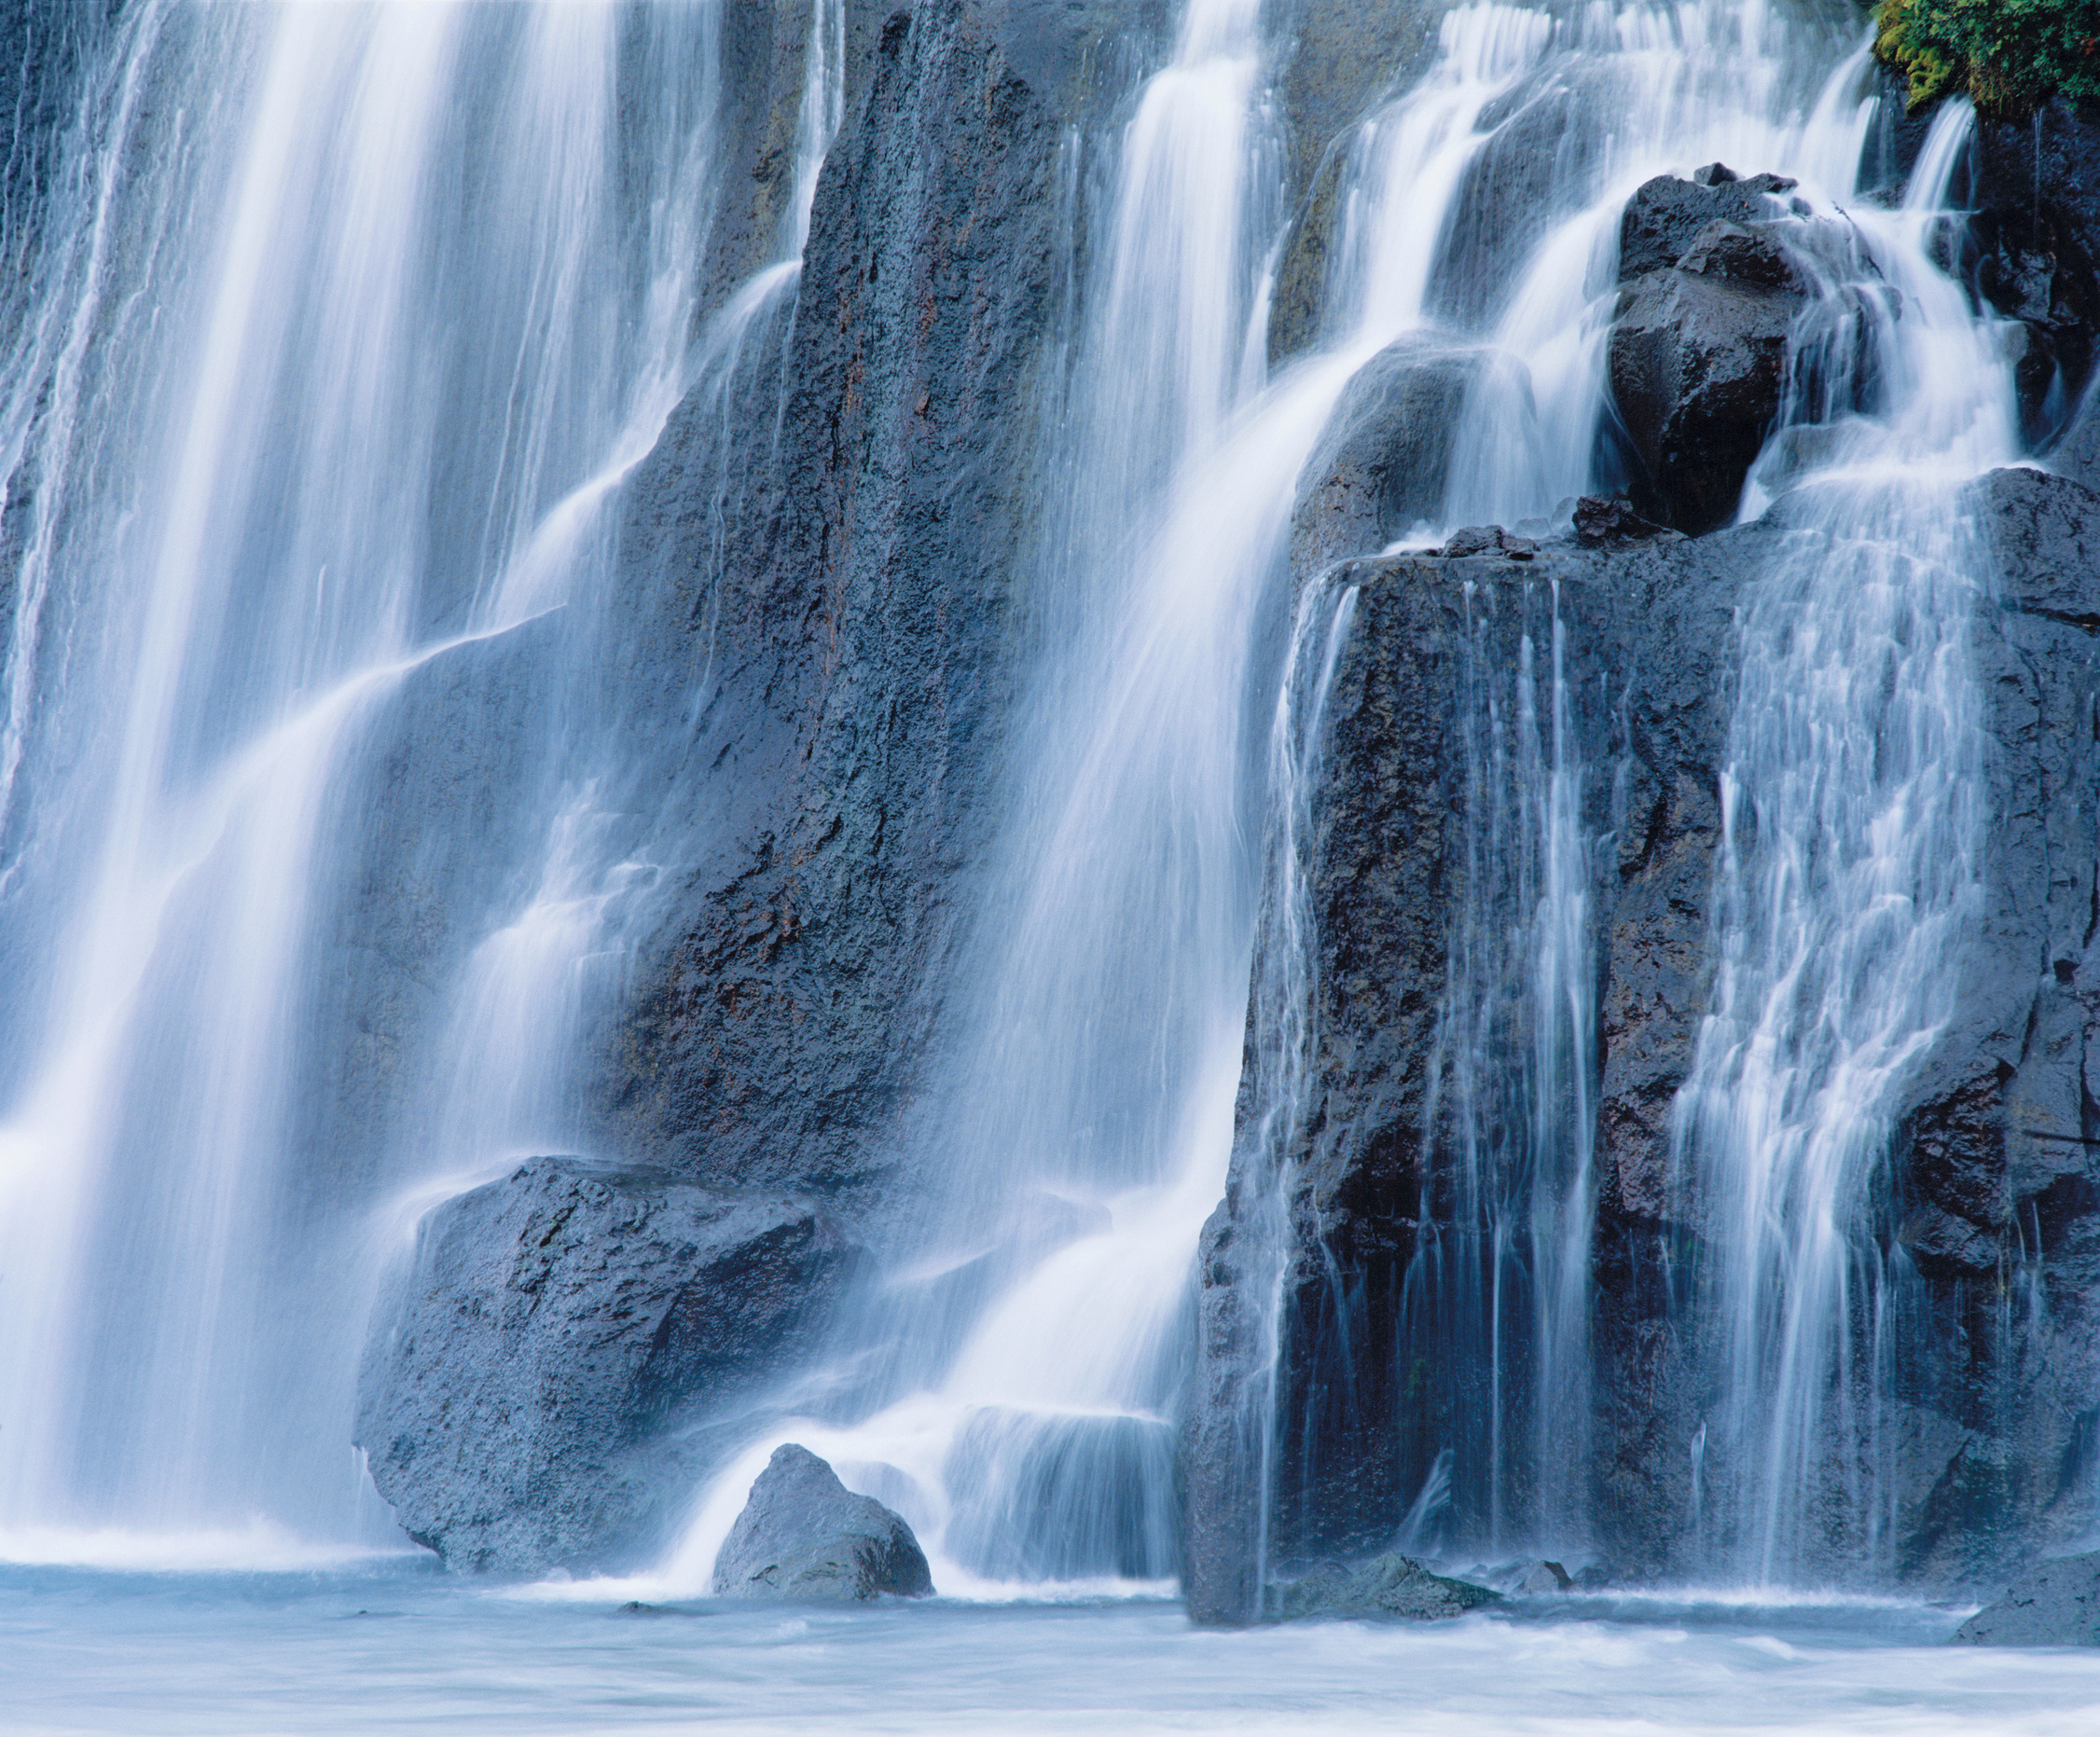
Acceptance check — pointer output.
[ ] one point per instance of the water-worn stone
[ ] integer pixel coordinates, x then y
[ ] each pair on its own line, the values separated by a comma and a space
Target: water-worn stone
2056, 1604
1391, 1585
538, 1392
804, 1537
1380, 467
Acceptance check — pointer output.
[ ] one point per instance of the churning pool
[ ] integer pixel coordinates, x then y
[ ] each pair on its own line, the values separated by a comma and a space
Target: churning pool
399, 1647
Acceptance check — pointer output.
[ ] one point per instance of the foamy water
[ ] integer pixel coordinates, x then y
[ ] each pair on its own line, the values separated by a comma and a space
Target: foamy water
397, 1645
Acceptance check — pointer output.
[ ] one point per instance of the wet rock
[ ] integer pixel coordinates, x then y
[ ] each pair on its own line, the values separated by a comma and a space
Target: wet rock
1380, 467
1697, 363
804, 1537
1342, 59
1489, 539
1547, 142
1666, 215
537, 1392
1546, 1578
812, 636
1422, 696
1603, 523
2031, 249
2056, 1604
1391, 1585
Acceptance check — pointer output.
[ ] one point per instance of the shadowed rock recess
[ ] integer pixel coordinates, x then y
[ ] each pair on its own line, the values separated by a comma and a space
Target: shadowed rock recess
815, 646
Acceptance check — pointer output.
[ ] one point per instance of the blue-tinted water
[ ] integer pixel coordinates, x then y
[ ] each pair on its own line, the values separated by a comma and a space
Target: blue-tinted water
399, 1646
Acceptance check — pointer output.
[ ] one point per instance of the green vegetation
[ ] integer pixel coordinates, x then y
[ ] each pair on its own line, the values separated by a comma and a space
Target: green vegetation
2010, 55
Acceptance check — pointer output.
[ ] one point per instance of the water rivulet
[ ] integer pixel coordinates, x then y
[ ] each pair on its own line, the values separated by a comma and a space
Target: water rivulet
712, 708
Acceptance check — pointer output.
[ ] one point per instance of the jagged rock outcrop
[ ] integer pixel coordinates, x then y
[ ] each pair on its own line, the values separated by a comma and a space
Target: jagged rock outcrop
804, 1537
2056, 1604
547, 1376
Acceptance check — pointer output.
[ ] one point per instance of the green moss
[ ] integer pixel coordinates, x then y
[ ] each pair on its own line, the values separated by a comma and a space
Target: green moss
2009, 56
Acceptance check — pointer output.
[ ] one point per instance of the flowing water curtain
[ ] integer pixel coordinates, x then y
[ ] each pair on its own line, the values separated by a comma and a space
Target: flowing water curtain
1494, 1321
1276, 1090
1852, 799
275, 477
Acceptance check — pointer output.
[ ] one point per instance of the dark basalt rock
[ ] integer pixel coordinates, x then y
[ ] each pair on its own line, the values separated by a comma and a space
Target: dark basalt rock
1698, 355
1602, 523
817, 627
1391, 1585
1665, 215
804, 1537
2031, 249
2056, 1604
1991, 1217
539, 1393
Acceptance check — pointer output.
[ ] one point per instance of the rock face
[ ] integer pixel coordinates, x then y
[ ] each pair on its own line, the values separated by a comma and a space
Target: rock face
1413, 825
1390, 1585
557, 1330
2057, 1605
793, 699
1420, 773
804, 1537
2032, 250
837, 624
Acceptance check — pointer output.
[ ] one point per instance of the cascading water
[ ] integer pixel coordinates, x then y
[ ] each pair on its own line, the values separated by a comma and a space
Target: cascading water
1849, 871
334, 361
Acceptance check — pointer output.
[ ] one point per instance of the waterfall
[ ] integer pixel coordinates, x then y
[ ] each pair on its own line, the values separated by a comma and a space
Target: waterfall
344, 322
326, 837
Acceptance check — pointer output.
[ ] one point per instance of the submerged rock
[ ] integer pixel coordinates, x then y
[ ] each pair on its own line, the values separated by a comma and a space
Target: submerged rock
1390, 1585
536, 1395
2058, 1604
804, 1537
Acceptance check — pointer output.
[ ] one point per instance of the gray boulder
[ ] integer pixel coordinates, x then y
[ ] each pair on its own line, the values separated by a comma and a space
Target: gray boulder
2058, 1604
570, 1350
1382, 462
1390, 1585
804, 1537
